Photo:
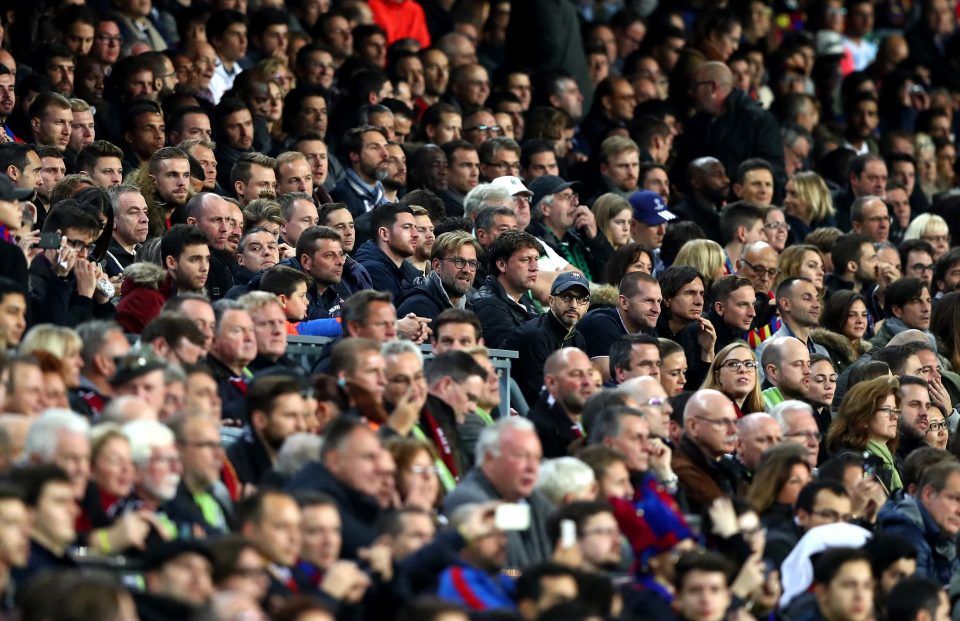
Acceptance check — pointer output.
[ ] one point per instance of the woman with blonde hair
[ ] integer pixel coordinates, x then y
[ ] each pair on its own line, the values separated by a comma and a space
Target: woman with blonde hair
801, 260
614, 216
932, 229
62, 342
808, 204
734, 372
867, 423
706, 256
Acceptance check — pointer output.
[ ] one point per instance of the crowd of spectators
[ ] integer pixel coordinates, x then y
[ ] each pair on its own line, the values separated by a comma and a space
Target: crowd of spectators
450, 310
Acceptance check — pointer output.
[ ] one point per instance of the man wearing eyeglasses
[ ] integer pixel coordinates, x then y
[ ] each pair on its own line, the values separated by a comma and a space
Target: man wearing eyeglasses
499, 157
538, 338
453, 265
709, 433
916, 258
870, 216
63, 280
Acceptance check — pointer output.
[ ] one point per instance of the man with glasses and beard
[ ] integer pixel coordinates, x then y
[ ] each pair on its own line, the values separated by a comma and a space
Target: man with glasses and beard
453, 268
538, 338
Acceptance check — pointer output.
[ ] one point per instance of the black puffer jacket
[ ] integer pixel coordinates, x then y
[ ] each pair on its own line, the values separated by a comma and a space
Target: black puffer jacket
499, 315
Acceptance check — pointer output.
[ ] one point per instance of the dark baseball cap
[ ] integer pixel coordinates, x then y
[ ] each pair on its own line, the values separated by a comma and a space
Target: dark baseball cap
568, 280
649, 208
10, 192
136, 364
549, 184
163, 553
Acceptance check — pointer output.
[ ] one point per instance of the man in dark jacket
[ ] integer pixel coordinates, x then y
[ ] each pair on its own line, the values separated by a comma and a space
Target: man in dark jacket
730, 125
569, 381
63, 281
362, 188
707, 187
541, 336
347, 471
212, 215
13, 262
385, 256
929, 520
503, 303
567, 227
453, 265
276, 410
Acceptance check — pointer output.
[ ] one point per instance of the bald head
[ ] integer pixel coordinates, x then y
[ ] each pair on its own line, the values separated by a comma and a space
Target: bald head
651, 399
908, 336
716, 72
706, 403
756, 433
563, 358
710, 422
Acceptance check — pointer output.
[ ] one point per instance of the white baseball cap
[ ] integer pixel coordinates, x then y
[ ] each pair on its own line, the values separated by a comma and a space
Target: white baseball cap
513, 184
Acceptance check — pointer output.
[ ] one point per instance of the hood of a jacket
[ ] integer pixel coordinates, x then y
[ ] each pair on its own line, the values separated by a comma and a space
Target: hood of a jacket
142, 274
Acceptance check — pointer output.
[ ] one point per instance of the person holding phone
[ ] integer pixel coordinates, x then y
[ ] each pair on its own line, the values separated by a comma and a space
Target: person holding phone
13, 262
63, 279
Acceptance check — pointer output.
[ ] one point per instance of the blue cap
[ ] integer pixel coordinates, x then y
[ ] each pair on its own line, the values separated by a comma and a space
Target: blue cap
649, 208
568, 280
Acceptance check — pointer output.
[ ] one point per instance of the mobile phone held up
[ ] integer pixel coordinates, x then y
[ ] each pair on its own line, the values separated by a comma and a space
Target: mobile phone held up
49, 241
512, 516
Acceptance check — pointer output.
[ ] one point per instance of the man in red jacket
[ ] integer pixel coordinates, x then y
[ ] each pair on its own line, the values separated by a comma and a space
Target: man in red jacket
186, 264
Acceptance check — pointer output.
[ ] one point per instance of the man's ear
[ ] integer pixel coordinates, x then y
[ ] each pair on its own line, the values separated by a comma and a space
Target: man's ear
501, 266
741, 234
35, 125
13, 172
170, 262
852, 267
191, 220
737, 190
604, 169
897, 311
383, 233
435, 265
238, 187
258, 420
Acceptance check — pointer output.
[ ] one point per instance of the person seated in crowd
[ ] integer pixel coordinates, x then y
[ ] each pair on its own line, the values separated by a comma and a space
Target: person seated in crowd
637, 311
555, 329
276, 407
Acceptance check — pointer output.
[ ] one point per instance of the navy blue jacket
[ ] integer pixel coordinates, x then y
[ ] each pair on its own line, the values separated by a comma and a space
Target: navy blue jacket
384, 273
